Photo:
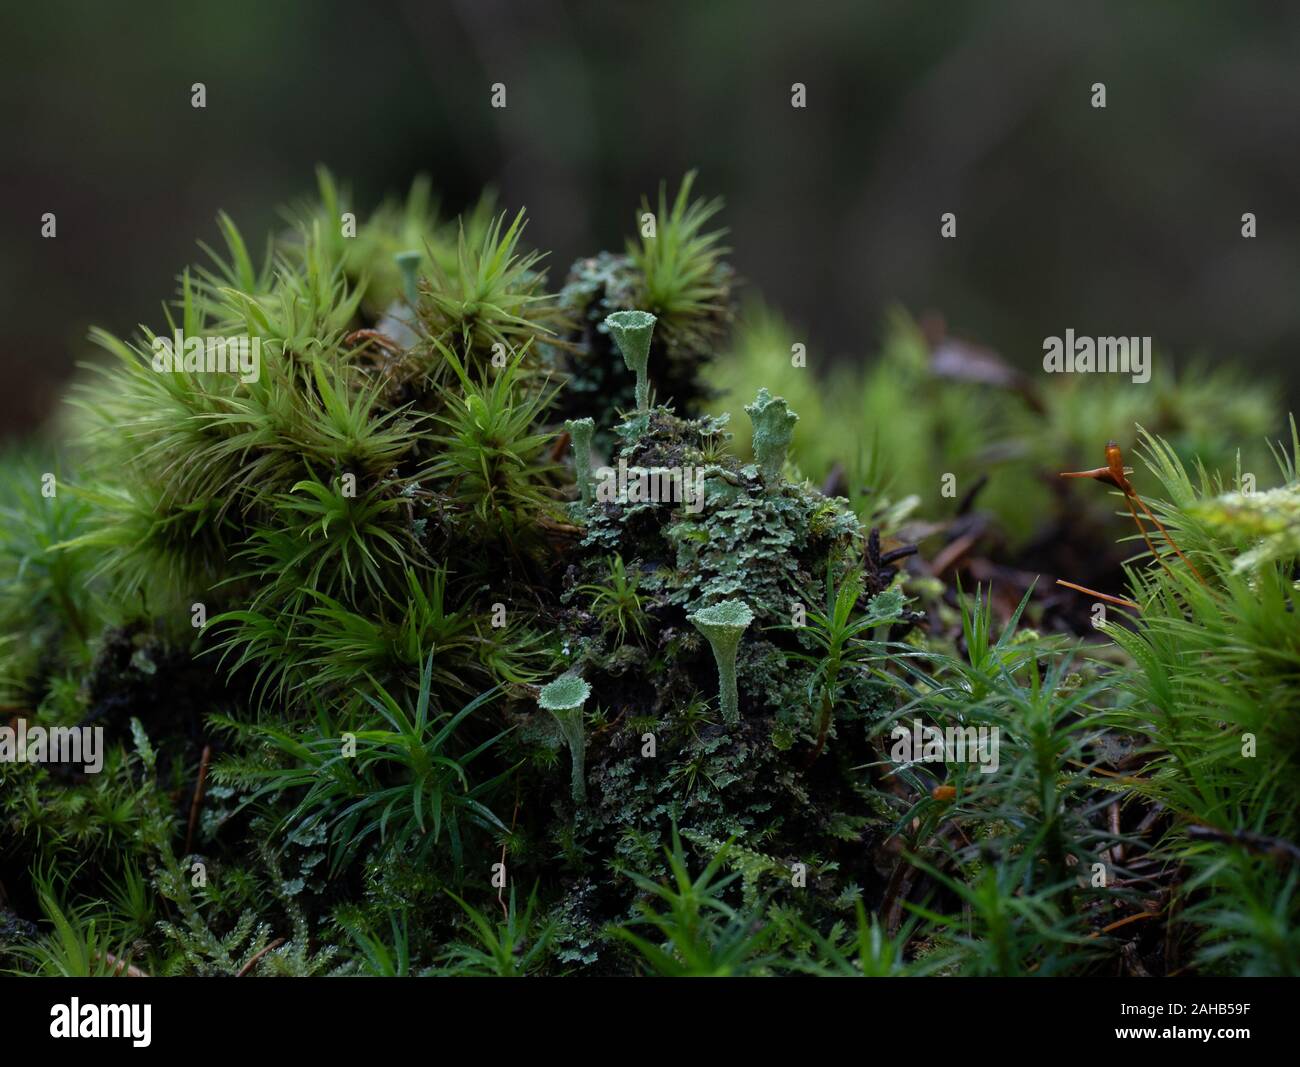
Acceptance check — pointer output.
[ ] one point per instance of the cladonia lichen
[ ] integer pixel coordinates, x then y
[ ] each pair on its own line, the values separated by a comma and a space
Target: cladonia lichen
631, 331
580, 432
773, 430
722, 625
564, 699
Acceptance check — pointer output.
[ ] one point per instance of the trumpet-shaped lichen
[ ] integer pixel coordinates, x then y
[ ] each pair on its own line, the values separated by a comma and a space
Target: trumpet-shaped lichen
773, 431
722, 626
632, 331
580, 431
564, 699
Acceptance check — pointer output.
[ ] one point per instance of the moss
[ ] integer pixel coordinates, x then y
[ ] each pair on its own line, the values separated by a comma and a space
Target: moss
376, 530
1267, 522
686, 340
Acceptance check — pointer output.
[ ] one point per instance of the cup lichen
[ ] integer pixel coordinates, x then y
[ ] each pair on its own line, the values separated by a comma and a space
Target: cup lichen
722, 625
580, 433
564, 698
773, 431
632, 331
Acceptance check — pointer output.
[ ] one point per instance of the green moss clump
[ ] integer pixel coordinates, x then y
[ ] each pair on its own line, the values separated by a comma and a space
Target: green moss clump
680, 275
345, 594
1266, 522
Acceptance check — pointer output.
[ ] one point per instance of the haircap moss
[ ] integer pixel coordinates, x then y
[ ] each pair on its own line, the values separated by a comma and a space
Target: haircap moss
632, 331
722, 625
773, 430
564, 698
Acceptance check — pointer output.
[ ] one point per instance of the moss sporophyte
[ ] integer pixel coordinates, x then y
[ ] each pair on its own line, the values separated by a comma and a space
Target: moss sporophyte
722, 625
564, 698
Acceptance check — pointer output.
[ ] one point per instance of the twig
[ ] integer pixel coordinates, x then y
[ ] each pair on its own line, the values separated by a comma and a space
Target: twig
899, 885
253, 962
381, 339
1125, 921
1157, 556
1167, 537
1117, 849
952, 553
561, 443
1100, 596
198, 797
901, 880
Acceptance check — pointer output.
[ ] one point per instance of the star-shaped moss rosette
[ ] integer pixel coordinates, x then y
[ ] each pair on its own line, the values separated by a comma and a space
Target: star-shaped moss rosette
773, 431
632, 331
409, 263
722, 625
564, 699
580, 433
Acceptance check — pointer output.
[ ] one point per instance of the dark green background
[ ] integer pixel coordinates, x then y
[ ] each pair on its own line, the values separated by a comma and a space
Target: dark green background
1124, 221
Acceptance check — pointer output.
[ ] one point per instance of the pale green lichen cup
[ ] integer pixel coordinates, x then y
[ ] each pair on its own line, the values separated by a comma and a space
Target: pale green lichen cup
722, 625
632, 331
773, 431
564, 698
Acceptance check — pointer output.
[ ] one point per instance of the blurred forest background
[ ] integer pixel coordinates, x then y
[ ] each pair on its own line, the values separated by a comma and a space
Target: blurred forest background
1119, 221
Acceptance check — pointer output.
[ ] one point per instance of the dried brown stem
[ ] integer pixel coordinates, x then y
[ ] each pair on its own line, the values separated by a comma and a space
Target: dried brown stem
253, 962
1100, 596
197, 802
1165, 533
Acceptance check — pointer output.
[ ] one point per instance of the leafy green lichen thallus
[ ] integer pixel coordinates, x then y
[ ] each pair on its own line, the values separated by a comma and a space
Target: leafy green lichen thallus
631, 331
722, 625
580, 432
564, 699
408, 263
773, 430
